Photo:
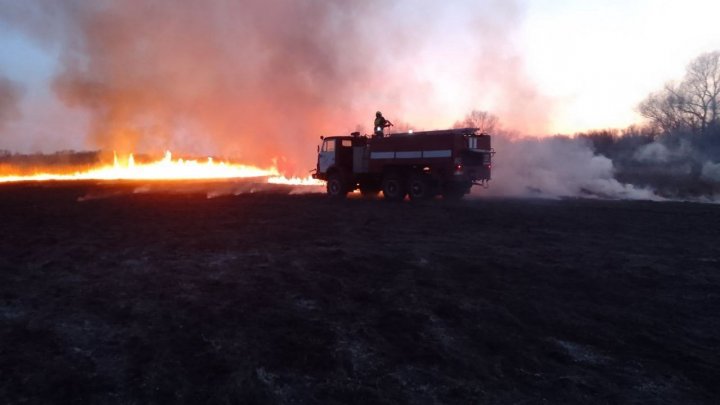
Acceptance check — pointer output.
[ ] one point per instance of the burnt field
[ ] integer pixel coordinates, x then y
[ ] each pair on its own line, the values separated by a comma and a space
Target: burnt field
165, 297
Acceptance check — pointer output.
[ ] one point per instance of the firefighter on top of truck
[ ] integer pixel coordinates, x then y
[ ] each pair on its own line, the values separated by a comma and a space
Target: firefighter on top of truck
380, 124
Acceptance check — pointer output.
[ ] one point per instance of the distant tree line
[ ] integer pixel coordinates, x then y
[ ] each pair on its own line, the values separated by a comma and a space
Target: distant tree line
690, 105
483, 120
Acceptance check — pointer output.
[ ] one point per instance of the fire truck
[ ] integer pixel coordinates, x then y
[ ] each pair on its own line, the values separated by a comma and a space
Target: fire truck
420, 165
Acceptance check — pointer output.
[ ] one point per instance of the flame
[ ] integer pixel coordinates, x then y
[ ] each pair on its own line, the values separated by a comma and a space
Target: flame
166, 169
296, 181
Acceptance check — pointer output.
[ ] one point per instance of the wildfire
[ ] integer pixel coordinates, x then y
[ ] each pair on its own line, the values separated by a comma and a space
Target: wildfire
166, 169
296, 181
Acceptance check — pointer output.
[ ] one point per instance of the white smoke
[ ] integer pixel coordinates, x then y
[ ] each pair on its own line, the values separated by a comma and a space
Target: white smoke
556, 167
658, 152
711, 171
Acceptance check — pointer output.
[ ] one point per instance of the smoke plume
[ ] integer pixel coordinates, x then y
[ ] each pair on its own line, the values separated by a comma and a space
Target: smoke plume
10, 95
677, 165
257, 80
556, 167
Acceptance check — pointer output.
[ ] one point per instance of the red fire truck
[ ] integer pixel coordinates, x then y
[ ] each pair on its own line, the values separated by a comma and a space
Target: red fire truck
421, 164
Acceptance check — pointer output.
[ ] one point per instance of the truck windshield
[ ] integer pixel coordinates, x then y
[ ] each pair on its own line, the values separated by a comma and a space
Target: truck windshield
328, 145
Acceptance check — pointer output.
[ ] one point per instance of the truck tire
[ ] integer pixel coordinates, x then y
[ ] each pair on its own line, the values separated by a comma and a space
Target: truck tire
336, 187
419, 188
393, 187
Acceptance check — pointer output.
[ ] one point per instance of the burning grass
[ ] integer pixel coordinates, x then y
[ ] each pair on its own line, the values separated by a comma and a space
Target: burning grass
163, 169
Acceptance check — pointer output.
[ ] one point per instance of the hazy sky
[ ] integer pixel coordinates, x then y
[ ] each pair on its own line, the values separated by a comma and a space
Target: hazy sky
598, 58
585, 64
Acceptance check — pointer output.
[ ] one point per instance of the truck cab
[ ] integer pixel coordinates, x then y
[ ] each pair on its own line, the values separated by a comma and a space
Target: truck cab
339, 154
335, 153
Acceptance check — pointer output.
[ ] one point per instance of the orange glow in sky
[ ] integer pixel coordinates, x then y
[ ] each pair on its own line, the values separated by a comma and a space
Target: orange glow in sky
217, 79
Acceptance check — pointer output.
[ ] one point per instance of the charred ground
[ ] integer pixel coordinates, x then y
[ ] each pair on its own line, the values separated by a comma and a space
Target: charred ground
273, 298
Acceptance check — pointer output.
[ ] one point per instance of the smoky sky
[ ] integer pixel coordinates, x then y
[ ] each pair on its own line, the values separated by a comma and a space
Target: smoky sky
261, 80
10, 96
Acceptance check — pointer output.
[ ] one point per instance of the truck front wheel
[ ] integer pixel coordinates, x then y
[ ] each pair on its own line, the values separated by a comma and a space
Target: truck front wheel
336, 186
393, 187
419, 188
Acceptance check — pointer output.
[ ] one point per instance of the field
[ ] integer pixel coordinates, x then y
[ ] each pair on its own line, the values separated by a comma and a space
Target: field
109, 296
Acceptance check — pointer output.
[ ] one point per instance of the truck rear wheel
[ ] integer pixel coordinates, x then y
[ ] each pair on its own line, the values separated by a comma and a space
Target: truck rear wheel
419, 188
393, 187
336, 186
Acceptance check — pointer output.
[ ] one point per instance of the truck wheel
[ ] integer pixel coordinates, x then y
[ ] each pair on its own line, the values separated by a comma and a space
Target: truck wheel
419, 188
393, 187
336, 186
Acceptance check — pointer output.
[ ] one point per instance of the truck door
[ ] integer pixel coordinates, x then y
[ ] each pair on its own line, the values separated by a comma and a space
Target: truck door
326, 158
344, 154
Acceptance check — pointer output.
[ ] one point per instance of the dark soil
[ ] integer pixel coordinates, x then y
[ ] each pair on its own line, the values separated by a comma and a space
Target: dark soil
168, 297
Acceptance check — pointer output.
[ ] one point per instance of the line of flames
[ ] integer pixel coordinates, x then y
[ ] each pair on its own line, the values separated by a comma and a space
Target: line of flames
167, 169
